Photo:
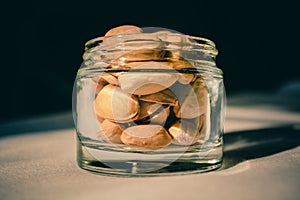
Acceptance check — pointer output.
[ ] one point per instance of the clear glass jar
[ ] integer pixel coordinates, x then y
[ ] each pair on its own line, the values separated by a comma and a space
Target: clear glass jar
149, 103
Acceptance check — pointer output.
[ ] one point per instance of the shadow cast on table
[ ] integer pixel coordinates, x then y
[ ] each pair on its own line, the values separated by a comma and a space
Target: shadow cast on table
246, 145
37, 125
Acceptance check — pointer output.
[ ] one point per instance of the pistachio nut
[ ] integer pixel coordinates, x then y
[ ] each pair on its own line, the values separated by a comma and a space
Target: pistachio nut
142, 83
181, 91
165, 96
100, 85
180, 64
160, 117
110, 131
149, 136
152, 113
138, 64
195, 103
103, 80
170, 63
148, 108
109, 78
169, 36
124, 29
186, 132
114, 104
110, 40
181, 45
100, 119
143, 55
186, 78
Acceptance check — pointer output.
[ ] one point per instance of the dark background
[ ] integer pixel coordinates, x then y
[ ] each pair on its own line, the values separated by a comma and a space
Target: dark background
42, 44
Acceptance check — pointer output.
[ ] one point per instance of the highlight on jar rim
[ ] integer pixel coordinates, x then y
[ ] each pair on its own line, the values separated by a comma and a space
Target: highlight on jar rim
148, 102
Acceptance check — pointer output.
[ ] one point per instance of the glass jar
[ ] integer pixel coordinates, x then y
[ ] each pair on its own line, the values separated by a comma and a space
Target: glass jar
149, 103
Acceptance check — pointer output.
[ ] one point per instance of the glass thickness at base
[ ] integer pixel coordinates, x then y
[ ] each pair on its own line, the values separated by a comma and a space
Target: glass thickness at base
149, 165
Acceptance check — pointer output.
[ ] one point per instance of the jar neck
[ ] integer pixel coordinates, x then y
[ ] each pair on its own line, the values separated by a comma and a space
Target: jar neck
187, 47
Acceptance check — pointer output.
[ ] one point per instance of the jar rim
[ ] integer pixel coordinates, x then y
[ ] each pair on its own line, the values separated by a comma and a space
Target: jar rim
97, 46
197, 38
198, 42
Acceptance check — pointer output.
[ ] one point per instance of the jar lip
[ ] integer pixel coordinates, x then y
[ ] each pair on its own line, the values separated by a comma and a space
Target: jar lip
197, 41
196, 38
105, 49
208, 70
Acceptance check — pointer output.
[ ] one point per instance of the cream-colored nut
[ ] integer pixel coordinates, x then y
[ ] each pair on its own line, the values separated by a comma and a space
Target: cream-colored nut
152, 113
109, 78
124, 29
169, 36
110, 40
148, 108
174, 41
114, 104
186, 78
100, 119
179, 44
165, 96
136, 62
142, 83
181, 91
103, 80
181, 63
110, 131
149, 136
195, 103
142, 55
161, 117
185, 132
100, 85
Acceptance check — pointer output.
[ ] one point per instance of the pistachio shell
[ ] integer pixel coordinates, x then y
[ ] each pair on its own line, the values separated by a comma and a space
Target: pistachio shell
100, 119
186, 78
124, 29
181, 91
149, 136
195, 103
140, 64
171, 37
148, 108
114, 104
171, 64
165, 96
109, 78
103, 80
143, 55
100, 86
186, 132
152, 113
142, 83
181, 64
110, 131
160, 117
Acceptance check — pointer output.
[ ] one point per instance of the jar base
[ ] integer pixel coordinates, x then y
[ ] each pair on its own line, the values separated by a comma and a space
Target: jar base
160, 165
176, 168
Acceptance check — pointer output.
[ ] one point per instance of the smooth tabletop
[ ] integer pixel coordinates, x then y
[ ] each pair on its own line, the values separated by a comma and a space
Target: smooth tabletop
262, 161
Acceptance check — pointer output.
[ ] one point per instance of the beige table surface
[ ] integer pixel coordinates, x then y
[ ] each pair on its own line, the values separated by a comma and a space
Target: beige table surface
262, 161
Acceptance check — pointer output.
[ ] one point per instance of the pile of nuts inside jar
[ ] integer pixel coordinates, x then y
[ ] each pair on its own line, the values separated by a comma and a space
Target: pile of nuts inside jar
150, 109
